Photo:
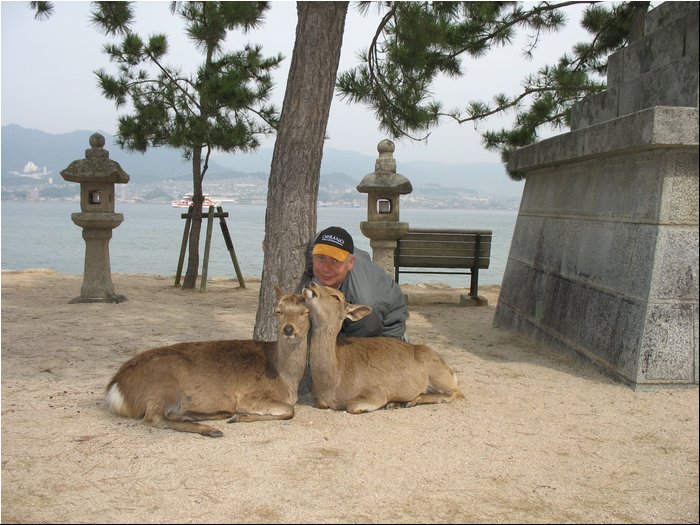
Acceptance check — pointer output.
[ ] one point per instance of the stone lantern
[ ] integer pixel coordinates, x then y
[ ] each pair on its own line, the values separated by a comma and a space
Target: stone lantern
96, 175
384, 187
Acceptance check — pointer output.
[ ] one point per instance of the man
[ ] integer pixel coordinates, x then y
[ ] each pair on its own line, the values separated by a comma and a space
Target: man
332, 260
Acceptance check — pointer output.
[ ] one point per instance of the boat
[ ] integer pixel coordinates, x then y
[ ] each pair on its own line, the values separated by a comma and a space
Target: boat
186, 201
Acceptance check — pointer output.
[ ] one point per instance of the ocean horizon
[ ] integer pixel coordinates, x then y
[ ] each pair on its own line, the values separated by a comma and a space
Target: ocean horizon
42, 235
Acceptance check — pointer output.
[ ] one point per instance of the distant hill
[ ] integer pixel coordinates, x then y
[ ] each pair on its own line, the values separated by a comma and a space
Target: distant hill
56, 151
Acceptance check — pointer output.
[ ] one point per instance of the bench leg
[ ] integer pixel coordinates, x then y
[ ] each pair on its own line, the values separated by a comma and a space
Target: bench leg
474, 286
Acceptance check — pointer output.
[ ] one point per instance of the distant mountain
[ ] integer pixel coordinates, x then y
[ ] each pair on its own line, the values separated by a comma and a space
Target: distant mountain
481, 178
57, 151
340, 167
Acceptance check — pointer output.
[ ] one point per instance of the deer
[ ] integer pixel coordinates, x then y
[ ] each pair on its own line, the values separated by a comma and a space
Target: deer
176, 386
363, 374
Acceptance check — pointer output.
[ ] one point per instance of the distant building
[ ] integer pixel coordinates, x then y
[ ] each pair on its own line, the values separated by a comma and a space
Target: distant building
32, 171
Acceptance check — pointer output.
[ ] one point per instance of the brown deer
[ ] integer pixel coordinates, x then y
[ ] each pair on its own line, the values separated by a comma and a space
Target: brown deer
362, 374
244, 380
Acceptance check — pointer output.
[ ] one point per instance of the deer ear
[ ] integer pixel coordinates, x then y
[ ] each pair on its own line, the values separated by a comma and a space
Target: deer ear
357, 311
278, 292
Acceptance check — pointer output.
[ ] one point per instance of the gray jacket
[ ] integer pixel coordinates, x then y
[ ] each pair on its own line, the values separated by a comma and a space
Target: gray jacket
368, 284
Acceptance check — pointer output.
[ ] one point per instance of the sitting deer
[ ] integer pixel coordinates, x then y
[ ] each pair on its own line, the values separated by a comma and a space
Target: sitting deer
362, 374
244, 380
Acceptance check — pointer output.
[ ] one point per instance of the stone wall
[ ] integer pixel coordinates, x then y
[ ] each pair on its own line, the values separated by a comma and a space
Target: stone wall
604, 256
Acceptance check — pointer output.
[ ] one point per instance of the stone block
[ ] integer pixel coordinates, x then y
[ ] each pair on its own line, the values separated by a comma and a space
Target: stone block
649, 128
654, 89
654, 51
666, 12
681, 168
595, 109
668, 344
675, 275
615, 73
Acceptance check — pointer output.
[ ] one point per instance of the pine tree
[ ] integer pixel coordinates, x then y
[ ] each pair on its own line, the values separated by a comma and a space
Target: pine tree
417, 41
221, 106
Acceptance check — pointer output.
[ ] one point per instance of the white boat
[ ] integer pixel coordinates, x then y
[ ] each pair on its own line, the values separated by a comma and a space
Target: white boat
186, 201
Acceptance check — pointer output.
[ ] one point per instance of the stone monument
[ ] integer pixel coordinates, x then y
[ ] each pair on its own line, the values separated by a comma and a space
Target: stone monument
604, 256
384, 187
97, 176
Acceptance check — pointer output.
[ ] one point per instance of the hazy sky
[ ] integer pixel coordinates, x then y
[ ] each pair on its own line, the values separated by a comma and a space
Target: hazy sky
48, 81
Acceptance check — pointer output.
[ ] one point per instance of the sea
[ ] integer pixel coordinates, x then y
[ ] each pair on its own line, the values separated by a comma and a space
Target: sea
42, 235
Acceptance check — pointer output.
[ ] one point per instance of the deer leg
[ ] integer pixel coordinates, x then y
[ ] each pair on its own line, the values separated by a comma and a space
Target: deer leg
271, 411
428, 399
366, 403
155, 416
184, 426
202, 416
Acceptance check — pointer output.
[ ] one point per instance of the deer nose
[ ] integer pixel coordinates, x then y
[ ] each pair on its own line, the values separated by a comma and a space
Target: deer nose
288, 330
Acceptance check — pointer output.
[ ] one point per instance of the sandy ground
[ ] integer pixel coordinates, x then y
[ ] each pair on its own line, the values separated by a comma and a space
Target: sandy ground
540, 437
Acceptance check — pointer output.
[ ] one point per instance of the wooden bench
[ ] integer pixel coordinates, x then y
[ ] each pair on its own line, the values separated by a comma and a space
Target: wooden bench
464, 250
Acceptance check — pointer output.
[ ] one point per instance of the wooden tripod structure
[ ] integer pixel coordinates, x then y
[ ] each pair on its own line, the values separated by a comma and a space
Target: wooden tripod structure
210, 215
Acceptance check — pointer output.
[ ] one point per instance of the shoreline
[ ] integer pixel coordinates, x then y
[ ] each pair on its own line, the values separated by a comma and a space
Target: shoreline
430, 292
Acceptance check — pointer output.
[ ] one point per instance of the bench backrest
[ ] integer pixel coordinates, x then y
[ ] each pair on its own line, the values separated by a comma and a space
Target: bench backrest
437, 248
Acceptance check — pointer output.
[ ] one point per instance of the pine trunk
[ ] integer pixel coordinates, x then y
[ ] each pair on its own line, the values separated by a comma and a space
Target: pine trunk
290, 219
190, 280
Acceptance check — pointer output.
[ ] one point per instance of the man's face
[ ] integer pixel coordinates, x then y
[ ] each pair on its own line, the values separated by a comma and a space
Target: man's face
330, 272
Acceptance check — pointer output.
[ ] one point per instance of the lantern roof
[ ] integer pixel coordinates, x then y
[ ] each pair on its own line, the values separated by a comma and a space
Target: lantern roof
96, 166
384, 176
